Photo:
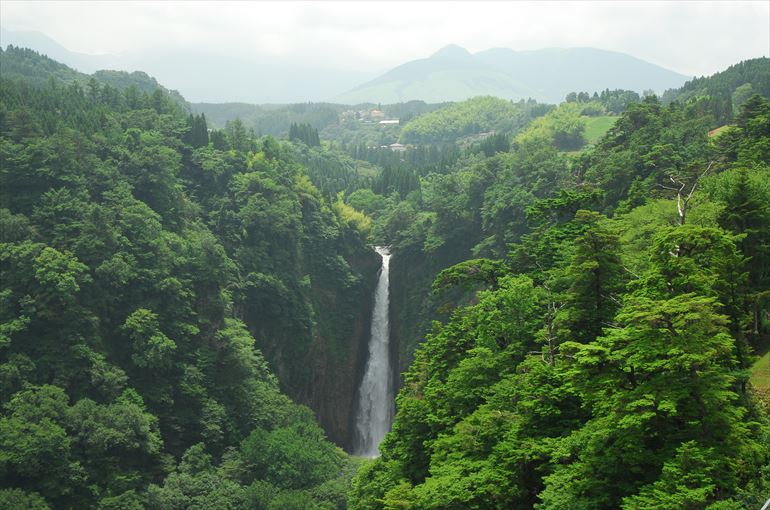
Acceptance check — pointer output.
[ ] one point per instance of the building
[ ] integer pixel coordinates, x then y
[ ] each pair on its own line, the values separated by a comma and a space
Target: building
397, 147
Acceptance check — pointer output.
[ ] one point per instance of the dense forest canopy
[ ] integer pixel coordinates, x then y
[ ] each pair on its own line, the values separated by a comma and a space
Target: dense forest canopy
141, 267
727, 90
604, 362
579, 296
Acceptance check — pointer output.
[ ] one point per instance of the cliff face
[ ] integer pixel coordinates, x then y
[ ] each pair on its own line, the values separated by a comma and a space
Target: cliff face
338, 354
411, 276
412, 306
315, 337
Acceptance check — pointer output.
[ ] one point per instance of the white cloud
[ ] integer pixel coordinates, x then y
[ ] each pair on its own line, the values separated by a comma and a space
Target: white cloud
689, 37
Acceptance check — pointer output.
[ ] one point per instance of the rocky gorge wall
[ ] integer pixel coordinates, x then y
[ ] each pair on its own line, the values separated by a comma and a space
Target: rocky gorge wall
412, 305
316, 341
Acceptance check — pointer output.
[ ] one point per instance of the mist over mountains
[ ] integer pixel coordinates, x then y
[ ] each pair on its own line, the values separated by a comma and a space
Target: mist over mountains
207, 77
547, 75
450, 74
479, 303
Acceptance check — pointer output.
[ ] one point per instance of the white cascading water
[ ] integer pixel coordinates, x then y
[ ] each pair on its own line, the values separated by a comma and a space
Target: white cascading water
375, 396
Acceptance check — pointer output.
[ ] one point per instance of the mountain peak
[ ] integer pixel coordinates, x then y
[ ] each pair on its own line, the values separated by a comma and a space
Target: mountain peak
451, 51
546, 75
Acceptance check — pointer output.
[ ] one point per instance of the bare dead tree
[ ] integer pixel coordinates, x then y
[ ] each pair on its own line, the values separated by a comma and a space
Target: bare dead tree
684, 191
550, 350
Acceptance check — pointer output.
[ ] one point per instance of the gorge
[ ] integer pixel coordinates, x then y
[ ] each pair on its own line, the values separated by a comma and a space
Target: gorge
200, 318
375, 397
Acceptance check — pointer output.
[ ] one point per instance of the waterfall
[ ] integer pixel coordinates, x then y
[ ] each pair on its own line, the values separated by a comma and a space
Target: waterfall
375, 396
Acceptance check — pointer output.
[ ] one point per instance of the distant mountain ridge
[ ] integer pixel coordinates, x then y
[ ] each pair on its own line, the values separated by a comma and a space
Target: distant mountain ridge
206, 77
450, 74
37, 69
547, 75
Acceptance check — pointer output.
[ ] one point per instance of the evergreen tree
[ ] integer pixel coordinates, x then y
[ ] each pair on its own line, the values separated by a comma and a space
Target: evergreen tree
595, 278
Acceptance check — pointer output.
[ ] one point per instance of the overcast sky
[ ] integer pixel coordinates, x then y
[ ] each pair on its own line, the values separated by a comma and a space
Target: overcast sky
693, 38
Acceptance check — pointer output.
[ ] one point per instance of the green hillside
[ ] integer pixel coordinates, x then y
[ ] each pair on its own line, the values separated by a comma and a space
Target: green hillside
596, 127
564, 316
577, 341
37, 69
164, 287
477, 115
725, 91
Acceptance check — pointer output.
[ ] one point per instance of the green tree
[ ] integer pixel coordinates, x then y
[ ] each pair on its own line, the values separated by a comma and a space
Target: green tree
293, 457
16, 499
152, 348
36, 453
748, 215
596, 279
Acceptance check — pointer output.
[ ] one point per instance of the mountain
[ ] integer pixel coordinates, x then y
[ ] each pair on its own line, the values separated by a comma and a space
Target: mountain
28, 65
138, 368
217, 78
45, 45
207, 76
450, 74
547, 75
727, 90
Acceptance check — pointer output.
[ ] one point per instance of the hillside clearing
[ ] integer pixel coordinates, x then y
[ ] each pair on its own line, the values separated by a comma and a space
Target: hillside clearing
596, 127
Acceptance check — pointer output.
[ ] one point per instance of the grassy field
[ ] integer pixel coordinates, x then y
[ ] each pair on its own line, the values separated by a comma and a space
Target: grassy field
597, 126
760, 373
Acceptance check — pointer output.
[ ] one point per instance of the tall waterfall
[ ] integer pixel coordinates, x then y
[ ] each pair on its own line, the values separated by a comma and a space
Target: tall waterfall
375, 397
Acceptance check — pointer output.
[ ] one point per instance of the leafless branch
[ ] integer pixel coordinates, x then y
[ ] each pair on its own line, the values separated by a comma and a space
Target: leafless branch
681, 202
631, 272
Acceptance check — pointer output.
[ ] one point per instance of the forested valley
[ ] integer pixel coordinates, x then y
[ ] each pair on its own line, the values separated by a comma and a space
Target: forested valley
579, 297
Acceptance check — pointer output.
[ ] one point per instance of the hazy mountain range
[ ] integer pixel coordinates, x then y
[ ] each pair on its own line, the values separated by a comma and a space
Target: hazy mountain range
451, 74
546, 75
204, 77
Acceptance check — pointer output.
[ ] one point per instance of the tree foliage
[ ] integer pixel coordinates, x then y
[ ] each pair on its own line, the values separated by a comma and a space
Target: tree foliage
146, 268
601, 361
